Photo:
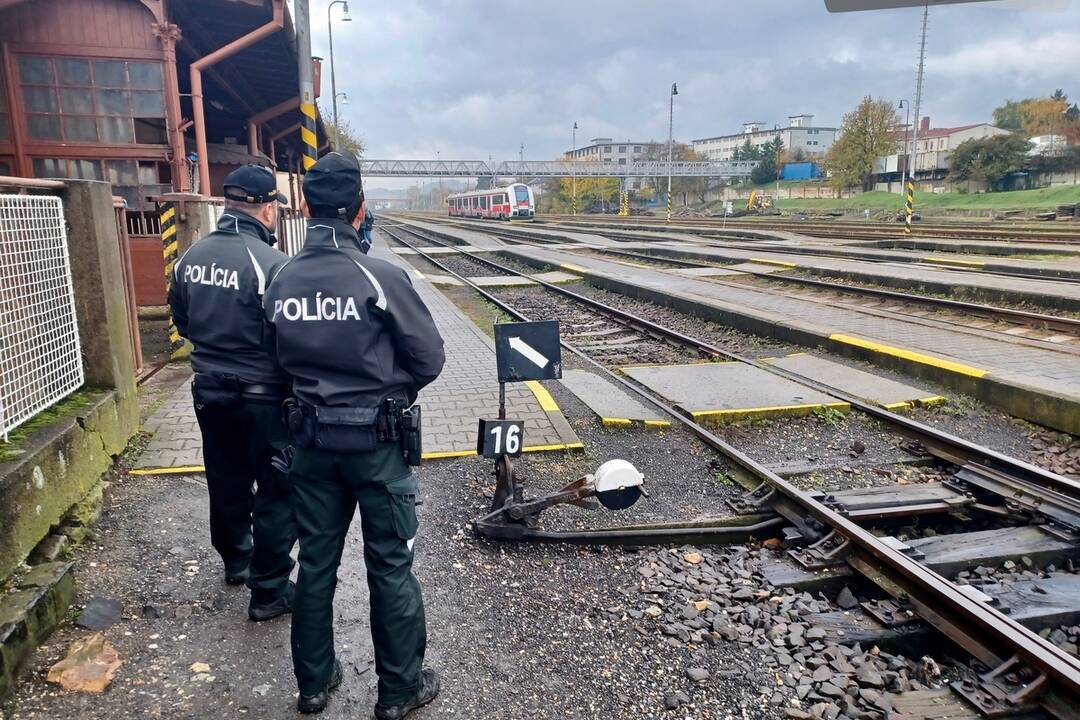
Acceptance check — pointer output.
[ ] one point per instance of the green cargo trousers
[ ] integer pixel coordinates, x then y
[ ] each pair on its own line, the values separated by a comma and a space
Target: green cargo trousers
327, 488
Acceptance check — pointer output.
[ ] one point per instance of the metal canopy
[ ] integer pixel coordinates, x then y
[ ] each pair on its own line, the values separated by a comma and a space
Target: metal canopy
553, 168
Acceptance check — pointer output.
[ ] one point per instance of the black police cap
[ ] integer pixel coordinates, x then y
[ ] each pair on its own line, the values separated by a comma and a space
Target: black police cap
253, 184
334, 184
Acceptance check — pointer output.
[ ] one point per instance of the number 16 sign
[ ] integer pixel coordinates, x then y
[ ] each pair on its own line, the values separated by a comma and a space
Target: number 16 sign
496, 438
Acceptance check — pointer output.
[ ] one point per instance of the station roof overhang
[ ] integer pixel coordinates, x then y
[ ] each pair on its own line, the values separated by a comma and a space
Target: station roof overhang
255, 79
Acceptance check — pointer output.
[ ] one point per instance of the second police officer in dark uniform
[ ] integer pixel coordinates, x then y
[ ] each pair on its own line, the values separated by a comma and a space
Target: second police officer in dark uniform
216, 299
359, 344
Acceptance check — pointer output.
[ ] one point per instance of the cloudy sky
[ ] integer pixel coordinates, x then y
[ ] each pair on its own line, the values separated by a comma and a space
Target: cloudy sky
473, 78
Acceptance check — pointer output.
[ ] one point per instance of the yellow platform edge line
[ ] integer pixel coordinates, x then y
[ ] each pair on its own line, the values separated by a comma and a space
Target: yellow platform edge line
952, 261
902, 405
658, 423
178, 470
771, 408
767, 261
573, 268
191, 469
547, 403
616, 422
932, 400
911, 355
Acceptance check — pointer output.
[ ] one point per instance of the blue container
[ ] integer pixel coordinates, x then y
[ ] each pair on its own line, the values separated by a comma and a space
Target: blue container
800, 171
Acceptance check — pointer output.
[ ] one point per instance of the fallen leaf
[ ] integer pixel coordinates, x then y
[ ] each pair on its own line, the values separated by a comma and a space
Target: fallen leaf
692, 557
90, 665
199, 667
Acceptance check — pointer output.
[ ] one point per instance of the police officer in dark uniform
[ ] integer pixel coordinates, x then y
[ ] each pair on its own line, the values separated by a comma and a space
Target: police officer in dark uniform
367, 229
359, 344
216, 298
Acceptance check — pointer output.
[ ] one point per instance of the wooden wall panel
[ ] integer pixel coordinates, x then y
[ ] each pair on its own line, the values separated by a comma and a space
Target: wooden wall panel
148, 268
122, 24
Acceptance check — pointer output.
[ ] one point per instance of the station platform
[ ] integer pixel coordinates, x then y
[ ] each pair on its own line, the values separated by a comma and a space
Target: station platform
466, 390
731, 391
1030, 379
943, 272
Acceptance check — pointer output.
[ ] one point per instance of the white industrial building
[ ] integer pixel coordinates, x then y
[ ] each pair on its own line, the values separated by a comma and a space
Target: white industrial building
607, 150
936, 145
800, 134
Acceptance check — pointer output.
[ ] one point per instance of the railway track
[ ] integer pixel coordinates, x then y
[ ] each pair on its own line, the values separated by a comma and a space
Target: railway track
1061, 331
844, 229
851, 253
1021, 670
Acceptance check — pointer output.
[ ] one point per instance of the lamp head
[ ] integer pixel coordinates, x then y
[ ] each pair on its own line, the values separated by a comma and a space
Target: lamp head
346, 17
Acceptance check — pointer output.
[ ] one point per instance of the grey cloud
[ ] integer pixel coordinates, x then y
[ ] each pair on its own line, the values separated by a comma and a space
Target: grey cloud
472, 78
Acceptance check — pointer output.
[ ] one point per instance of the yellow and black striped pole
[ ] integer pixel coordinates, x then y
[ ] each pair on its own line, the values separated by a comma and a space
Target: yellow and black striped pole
170, 250
308, 135
909, 208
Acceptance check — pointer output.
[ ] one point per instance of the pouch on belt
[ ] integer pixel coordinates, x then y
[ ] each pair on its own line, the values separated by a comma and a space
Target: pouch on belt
215, 389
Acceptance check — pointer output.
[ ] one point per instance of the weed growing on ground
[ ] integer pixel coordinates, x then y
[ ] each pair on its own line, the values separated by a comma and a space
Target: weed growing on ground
829, 416
722, 478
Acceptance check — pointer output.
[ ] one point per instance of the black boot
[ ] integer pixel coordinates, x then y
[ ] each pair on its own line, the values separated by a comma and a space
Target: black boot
280, 606
425, 693
311, 704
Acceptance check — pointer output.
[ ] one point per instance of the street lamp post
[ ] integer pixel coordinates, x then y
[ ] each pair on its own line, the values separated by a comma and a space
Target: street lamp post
573, 171
333, 79
670, 138
438, 161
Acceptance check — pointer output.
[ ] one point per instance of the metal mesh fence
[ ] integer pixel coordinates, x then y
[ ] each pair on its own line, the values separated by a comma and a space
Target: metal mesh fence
40, 361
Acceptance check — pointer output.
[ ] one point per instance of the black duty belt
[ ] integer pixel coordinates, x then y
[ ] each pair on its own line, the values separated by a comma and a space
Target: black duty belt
264, 390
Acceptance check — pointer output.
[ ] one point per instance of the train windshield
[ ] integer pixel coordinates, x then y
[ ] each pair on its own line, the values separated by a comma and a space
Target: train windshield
522, 193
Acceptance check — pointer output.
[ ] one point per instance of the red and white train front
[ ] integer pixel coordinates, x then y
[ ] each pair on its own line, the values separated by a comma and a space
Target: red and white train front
503, 203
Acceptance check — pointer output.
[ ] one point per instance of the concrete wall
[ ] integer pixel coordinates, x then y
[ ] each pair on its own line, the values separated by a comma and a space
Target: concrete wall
62, 463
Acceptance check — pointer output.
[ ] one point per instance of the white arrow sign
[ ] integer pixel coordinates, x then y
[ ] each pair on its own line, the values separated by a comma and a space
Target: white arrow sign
528, 351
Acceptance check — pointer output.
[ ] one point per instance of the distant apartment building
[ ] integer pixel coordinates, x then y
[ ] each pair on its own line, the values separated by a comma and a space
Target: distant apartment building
621, 153
800, 134
936, 145
607, 150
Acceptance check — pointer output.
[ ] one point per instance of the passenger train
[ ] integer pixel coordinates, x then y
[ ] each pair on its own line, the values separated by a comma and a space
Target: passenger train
503, 203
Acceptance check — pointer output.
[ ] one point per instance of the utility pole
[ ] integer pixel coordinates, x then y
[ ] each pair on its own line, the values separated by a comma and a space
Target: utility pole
910, 205
670, 139
308, 135
573, 171
907, 127
521, 157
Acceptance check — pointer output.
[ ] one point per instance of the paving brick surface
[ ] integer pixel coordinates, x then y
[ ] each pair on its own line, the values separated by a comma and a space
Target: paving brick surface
465, 391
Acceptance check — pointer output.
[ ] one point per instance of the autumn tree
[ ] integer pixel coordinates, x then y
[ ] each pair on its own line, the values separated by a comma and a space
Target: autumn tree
1040, 115
866, 134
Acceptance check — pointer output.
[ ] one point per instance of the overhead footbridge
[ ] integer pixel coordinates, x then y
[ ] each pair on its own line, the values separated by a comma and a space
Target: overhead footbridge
555, 168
